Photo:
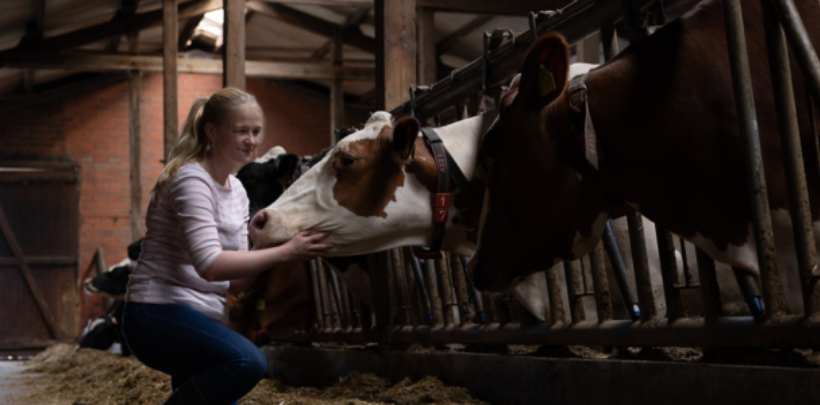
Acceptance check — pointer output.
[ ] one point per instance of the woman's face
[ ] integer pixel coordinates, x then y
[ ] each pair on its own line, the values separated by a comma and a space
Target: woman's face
235, 141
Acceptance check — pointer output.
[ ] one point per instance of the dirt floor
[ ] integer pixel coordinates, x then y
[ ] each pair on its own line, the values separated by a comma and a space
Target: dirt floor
61, 375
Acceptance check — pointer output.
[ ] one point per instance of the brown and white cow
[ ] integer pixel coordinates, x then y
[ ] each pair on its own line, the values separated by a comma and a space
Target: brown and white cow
664, 112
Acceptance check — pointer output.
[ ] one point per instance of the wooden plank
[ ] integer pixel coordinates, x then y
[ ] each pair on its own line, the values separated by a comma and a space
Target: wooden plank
587, 50
110, 29
40, 261
48, 316
354, 19
427, 47
395, 52
337, 102
353, 36
233, 73
145, 63
135, 146
517, 7
188, 30
170, 117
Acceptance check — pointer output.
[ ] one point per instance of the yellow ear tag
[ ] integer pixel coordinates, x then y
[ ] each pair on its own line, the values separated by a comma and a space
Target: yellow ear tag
546, 82
260, 304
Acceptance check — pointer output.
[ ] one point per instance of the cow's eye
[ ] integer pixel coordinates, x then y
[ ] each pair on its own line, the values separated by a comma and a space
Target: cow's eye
348, 160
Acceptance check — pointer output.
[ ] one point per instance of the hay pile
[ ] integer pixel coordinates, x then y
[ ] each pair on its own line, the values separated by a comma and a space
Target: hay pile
61, 375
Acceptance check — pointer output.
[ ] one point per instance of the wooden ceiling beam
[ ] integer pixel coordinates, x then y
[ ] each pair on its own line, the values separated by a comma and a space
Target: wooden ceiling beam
127, 10
354, 19
446, 43
352, 35
262, 69
496, 7
110, 29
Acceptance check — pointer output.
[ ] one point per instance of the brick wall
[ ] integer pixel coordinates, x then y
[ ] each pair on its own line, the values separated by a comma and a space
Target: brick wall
92, 129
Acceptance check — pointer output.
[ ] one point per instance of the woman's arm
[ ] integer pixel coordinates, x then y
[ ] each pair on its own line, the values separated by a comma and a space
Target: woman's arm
241, 285
239, 265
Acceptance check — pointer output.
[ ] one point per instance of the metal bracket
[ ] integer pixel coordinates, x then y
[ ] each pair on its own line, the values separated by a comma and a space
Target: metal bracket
492, 41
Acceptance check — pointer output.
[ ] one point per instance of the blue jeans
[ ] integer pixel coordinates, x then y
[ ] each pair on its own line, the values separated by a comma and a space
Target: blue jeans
186, 344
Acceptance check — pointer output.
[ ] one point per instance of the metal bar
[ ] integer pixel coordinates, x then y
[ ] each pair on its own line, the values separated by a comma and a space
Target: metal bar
602, 296
317, 297
749, 289
492, 310
347, 312
609, 41
475, 295
413, 292
557, 314
460, 281
709, 286
753, 167
792, 155
327, 322
800, 42
421, 285
446, 290
432, 289
640, 261
401, 287
574, 288
505, 61
669, 272
337, 297
619, 270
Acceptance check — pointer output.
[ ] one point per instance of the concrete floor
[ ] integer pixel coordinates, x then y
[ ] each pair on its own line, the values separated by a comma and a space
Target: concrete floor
8, 377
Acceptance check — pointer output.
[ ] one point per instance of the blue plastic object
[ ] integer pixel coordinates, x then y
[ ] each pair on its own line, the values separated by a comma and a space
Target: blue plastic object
430, 319
634, 312
481, 316
756, 306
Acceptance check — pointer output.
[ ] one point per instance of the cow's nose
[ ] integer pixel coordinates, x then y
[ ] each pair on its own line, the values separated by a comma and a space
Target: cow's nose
259, 220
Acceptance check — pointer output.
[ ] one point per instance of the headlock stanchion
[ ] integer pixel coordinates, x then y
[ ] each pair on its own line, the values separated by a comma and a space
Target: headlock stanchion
619, 269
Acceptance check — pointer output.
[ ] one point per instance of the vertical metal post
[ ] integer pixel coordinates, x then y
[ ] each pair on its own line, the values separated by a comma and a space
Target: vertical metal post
475, 295
432, 289
379, 264
792, 154
325, 294
753, 167
421, 285
336, 292
709, 286
669, 272
640, 260
317, 294
557, 313
460, 281
603, 302
446, 290
492, 311
575, 288
405, 315
801, 43
616, 258
347, 312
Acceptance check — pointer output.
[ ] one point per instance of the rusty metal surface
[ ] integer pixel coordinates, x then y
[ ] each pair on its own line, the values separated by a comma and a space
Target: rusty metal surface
792, 153
603, 303
557, 313
430, 281
449, 304
802, 48
753, 166
575, 289
317, 293
324, 293
403, 292
465, 311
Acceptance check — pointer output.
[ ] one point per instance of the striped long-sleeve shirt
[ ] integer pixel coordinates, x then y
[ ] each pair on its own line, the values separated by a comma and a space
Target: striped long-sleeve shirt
193, 220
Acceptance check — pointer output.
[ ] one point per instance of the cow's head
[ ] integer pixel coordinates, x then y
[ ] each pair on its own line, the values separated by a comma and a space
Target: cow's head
373, 191
266, 180
540, 209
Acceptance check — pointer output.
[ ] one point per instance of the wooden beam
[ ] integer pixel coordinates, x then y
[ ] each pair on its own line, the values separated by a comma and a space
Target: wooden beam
446, 43
496, 7
337, 102
353, 36
188, 30
126, 11
262, 69
395, 51
233, 58
170, 31
107, 30
40, 261
354, 19
135, 142
17, 250
427, 47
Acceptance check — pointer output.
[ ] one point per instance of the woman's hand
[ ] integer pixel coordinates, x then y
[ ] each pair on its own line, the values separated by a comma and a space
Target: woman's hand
305, 246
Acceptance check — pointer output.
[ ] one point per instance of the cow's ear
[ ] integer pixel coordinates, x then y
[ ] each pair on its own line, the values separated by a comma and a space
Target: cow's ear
404, 137
287, 165
545, 70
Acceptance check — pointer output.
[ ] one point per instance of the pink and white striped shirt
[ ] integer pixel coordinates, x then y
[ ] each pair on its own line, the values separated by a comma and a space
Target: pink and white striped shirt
193, 220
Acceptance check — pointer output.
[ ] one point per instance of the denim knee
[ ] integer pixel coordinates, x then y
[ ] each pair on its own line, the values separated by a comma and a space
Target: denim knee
253, 365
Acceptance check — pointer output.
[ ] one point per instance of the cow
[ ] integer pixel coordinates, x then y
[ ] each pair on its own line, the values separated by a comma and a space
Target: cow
665, 118
111, 283
267, 177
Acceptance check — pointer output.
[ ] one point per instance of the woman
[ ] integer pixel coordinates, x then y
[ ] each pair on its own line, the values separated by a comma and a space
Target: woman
196, 250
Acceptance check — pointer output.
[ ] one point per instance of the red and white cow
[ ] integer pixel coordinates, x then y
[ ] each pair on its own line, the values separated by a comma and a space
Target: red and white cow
665, 118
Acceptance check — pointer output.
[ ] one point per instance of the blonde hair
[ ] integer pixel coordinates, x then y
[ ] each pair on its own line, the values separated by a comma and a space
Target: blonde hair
193, 143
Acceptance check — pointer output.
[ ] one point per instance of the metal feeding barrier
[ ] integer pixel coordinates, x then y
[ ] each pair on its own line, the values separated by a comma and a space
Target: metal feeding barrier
433, 302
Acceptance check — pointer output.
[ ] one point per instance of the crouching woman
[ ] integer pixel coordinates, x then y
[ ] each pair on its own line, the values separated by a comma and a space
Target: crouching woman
195, 251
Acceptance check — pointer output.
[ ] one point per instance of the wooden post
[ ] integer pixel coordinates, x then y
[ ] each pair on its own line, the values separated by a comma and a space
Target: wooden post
427, 47
233, 73
395, 51
135, 142
587, 49
337, 102
169, 73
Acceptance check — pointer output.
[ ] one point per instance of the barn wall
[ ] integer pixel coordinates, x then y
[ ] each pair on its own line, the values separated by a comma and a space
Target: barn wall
92, 128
